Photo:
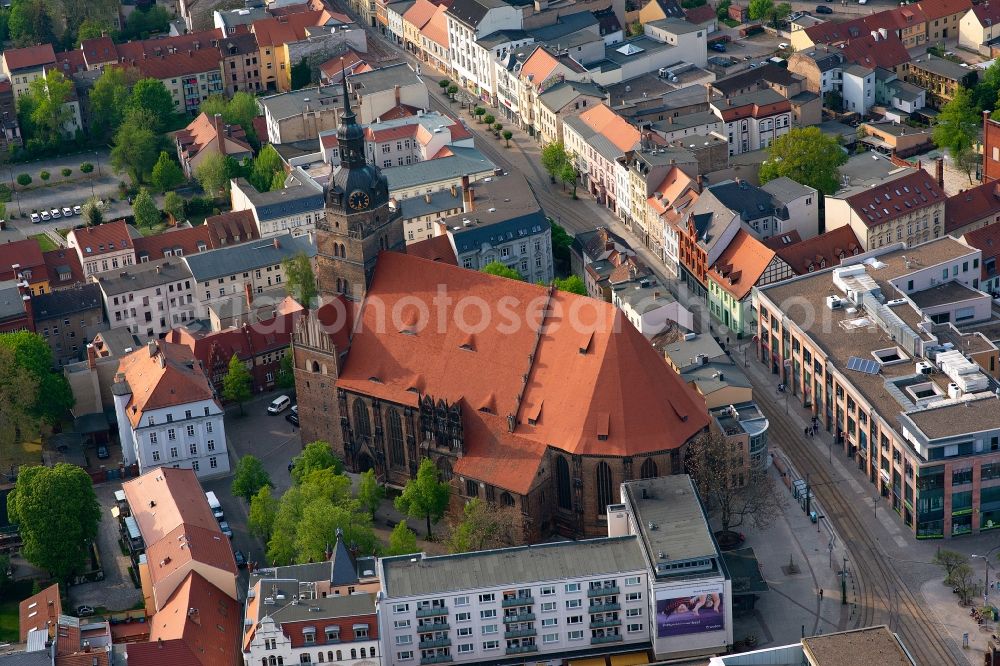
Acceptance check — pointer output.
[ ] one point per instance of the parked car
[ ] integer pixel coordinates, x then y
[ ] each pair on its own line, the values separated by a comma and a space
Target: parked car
719, 47
46, 216
279, 404
84, 611
224, 526
35, 219
241, 559
55, 213
823, 9
76, 210
782, 46
67, 211
102, 452
293, 415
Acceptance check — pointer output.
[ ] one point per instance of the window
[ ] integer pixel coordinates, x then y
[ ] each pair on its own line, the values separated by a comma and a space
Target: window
211, 444
401, 608
548, 606
396, 456
464, 648
213, 462
550, 638
173, 451
361, 632
463, 617
575, 635
550, 622
573, 603
548, 591
465, 631
604, 485
462, 601
332, 634
309, 635
156, 456
489, 629
634, 627
190, 429
491, 645
193, 448
488, 613
401, 624
632, 580
171, 434
564, 492
487, 598
633, 596
152, 438
405, 655
572, 587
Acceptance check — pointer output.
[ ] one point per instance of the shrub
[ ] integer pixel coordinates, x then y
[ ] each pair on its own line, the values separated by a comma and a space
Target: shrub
45, 175
66, 172
86, 167
23, 180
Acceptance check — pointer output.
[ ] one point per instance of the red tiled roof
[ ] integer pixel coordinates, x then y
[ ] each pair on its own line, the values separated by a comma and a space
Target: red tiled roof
344, 623
419, 13
437, 248
436, 29
99, 50
741, 265
987, 240
287, 28
63, 263
399, 111
346, 61
103, 239
232, 228
29, 57
937, 9
71, 62
27, 254
160, 375
611, 126
823, 251
753, 110
785, 239
177, 498
576, 397
181, 63
205, 131
883, 203
40, 611
972, 205
186, 240
988, 14
699, 15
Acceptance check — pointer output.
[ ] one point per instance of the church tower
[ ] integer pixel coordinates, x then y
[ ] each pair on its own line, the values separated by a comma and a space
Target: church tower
358, 223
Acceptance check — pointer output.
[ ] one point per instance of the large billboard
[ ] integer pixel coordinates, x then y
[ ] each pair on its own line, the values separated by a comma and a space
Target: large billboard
691, 611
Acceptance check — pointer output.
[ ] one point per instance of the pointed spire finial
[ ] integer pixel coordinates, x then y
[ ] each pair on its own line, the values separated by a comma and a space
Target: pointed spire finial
347, 98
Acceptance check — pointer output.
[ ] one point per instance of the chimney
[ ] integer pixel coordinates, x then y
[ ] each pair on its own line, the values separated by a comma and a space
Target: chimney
151, 347
465, 185
469, 196
29, 309
248, 294
277, 243
699, 181
939, 172
454, 191
220, 133
395, 92
427, 197
91, 357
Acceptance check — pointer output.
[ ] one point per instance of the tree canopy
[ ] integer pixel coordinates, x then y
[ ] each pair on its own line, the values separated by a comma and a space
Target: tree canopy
402, 540
17, 389
553, 158
249, 477
167, 173
957, 126
213, 173
108, 99
807, 156
56, 512
263, 509
30, 23
136, 146
43, 110
146, 213
485, 526
300, 283
236, 383
502, 270
370, 492
314, 457
152, 96
240, 109
32, 356
425, 496
573, 284
265, 167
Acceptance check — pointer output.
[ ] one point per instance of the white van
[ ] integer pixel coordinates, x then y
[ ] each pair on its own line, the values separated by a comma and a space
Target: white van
215, 505
279, 404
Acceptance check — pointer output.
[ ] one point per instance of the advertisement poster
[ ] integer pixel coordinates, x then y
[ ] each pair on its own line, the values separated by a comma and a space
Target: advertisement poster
696, 611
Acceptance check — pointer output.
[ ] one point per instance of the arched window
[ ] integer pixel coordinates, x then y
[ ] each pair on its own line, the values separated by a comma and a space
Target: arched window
329, 655
321, 657
363, 653
274, 661
563, 489
313, 366
362, 427
648, 469
507, 499
354, 653
396, 455
444, 467
340, 655
603, 488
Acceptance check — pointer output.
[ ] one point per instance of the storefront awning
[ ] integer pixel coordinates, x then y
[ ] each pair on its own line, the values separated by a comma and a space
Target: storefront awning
630, 659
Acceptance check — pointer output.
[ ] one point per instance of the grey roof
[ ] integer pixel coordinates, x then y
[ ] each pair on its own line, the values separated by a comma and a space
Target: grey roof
463, 162
248, 256
117, 340
710, 217
413, 576
440, 201
290, 104
715, 375
561, 94
688, 120
471, 12
672, 506
39, 658
401, 6
785, 189
565, 25
905, 91
683, 351
858, 70
332, 606
67, 301
677, 26
290, 150
144, 275
384, 78
287, 201
243, 16
11, 301
597, 141
640, 88
941, 67
505, 210
769, 72
613, 57
495, 39
749, 201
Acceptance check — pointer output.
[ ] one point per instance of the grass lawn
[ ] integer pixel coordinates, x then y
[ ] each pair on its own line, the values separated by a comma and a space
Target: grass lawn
153, 230
13, 594
731, 23
27, 453
45, 243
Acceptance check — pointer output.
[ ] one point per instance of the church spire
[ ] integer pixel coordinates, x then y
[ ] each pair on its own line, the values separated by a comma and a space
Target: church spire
348, 112
350, 135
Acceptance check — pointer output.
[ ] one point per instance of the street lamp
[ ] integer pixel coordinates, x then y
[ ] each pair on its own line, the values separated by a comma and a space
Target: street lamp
13, 187
986, 558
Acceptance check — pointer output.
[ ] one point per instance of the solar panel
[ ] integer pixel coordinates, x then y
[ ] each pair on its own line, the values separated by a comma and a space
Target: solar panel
864, 365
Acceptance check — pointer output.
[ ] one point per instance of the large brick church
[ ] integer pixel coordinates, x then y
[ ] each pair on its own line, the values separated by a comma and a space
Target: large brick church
521, 395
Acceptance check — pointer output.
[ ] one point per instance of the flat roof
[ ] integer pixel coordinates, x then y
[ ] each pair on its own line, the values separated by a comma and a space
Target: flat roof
418, 575
861, 647
670, 519
948, 292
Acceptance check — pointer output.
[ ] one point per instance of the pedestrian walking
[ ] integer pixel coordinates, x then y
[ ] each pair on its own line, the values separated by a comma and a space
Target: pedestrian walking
821, 593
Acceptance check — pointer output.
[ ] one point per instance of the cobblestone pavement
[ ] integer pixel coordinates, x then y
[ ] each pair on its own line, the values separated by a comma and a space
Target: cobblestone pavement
116, 591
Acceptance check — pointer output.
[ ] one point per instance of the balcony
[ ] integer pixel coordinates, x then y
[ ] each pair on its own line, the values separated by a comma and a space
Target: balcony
520, 617
604, 608
433, 626
605, 623
610, 638
437, 659
603, 591
522, 649
510, 602
432, 612
520, 633
435, 643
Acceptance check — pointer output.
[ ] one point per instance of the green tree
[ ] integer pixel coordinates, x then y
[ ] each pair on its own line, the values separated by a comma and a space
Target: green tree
722, 10
86, 167
241, 110
502, 270
568, 176
317, 531
553, 158
263, 509
265, 166
780, 13
213, 174
561, 244
497, 128
370, 492
315, 456
301, 74
91, 28
485, 526
56, 513
108, 99
91, 213
968, 162
249, 477
23, 179
286, 371
507, 136
425, 496
807, 156
143, 23
573, 284
479, 112
236, 383
147, 215
489, 119
949, 560
136, 147
957, 126
452, 91
173, 204
18, 421
300, 283
43, 109
33, 356
30, 23
66, 172
760, 10
167, 173
45, 175
443, 84
402, 540
152, 96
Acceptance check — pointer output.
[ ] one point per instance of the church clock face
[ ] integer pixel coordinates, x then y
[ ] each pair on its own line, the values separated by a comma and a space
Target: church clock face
358, 200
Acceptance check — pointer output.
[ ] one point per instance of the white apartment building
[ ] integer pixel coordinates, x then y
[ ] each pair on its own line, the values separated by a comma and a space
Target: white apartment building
597, 139
106, 247
293, 209
754, 120
149, 298
168, 415
469, 21
858, 89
